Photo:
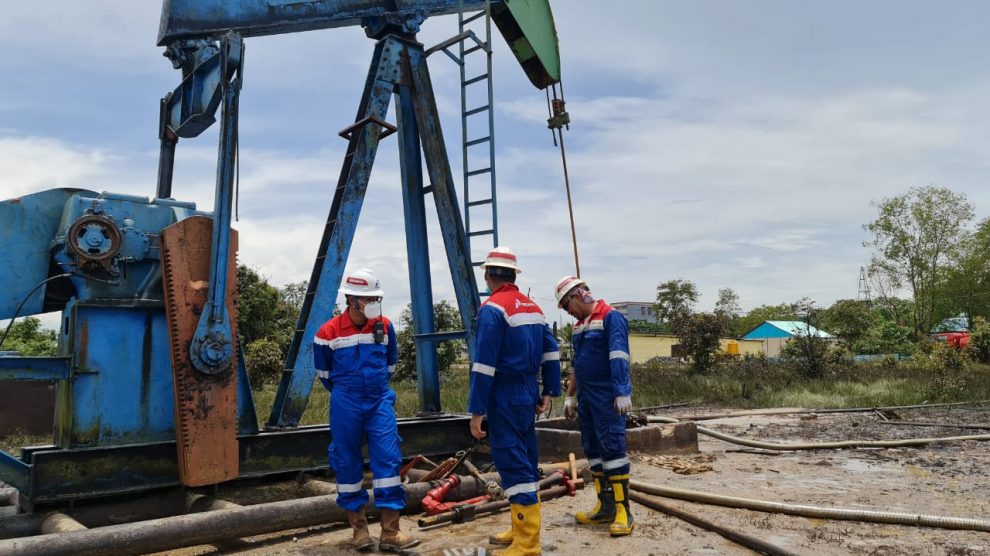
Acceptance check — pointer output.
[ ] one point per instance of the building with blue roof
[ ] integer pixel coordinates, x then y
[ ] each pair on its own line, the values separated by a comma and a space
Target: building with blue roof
776, 333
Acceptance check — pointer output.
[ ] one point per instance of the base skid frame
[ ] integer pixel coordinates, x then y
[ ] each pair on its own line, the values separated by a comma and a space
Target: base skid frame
47, 475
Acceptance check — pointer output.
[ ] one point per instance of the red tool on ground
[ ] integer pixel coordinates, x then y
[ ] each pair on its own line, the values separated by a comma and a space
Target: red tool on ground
433, 503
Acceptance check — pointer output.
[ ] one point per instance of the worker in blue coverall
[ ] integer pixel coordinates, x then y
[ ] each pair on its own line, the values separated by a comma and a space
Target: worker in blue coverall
355, 355
600, 357
513, 348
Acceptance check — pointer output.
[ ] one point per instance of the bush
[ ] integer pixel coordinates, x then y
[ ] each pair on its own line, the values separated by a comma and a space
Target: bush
979, 340
446, 318
264, 361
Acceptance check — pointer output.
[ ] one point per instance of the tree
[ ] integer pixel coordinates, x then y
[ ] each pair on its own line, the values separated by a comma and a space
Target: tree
849, 320
699, 335
675, 300
756, 316
727, 307
266, 322
979, 340
808, 348
446, 318
28, 338
967, 284
914, 237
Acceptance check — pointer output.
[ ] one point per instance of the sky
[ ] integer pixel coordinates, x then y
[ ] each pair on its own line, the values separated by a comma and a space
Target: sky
733, 144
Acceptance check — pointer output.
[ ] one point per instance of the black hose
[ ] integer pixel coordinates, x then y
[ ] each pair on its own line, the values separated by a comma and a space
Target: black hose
753, 543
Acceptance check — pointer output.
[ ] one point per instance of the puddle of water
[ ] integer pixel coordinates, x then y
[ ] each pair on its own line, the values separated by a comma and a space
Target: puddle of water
862, 466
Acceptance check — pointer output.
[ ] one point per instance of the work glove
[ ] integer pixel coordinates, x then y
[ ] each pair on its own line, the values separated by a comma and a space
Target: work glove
623, 404
570, 407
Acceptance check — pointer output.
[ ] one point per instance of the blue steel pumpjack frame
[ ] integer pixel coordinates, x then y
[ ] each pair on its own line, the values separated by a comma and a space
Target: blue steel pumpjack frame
398, 68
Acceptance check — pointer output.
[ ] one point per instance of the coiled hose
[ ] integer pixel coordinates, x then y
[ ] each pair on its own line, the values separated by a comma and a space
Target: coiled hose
871, 516
824, 445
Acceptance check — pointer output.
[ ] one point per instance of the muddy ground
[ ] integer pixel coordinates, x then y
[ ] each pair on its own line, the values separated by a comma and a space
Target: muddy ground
945, 479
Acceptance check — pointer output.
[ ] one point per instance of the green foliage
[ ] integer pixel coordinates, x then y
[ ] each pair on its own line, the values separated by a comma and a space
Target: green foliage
728, 309
967, 282
885, 337
264, 361
28, 338
915, 236
849, 320
755, 317
266, 322
699, 335
446, 318
264, 311
979, 340
675, 300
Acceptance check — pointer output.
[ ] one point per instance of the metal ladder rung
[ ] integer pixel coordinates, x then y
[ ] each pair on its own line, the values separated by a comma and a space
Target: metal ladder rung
478, 172
473, 17
478, 141
427, 189
481, 202
481, 233
441, 336
474, 49
476, 79
473, 111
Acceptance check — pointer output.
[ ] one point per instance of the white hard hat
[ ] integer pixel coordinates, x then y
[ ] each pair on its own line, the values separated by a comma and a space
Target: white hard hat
566, 284
502, 257
362, 282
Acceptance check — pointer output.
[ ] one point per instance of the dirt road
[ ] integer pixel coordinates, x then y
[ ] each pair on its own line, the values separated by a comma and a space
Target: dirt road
946, 479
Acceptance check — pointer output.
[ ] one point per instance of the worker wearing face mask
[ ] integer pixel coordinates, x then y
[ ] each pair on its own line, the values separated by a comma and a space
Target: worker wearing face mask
603, 393
355, 355
514, 352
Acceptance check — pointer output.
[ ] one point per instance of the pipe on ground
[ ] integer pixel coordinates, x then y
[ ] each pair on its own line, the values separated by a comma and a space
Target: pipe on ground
869, 516
830, 410
824, 445
750, 542
210, 527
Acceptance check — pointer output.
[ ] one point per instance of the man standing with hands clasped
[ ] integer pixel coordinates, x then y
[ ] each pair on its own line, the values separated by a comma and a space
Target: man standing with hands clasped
513, 347
355, 355
604, 395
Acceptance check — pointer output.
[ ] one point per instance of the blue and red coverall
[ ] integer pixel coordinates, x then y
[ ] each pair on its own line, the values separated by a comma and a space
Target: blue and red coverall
513, 345
601, 367
356, 371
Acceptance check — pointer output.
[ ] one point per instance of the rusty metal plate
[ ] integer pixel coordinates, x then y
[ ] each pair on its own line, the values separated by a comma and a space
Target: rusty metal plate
205, 405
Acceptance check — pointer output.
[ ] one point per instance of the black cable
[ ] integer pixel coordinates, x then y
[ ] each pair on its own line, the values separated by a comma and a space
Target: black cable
17, 312
25, 300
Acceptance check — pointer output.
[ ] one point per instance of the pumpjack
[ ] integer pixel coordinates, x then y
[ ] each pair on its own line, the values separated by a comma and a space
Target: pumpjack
151, 387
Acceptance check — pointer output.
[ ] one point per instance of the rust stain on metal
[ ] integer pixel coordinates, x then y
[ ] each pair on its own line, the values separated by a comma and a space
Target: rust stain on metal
205, 405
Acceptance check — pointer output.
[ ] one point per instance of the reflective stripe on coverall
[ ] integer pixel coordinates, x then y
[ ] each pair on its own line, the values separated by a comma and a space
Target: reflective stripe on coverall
512, 347
601, 366
356, 371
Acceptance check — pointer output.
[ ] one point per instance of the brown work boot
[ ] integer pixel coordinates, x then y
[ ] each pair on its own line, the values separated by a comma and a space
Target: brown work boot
359, 523
392, 538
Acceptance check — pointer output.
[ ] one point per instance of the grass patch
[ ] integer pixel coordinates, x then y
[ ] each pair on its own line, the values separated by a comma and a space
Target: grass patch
736, 385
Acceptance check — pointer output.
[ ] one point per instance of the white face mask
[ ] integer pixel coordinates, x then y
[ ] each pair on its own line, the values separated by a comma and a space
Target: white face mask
372, 309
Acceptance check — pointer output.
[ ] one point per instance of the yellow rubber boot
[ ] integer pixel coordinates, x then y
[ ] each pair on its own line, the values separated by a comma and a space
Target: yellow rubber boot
525, 531
604, 511
623, 523
505, 537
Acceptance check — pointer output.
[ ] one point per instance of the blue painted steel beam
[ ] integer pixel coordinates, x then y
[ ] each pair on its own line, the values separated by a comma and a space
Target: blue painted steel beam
34, 368
297, 380
212, 348
417, 251
444, 195
190, 19
14, 472
441, 336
